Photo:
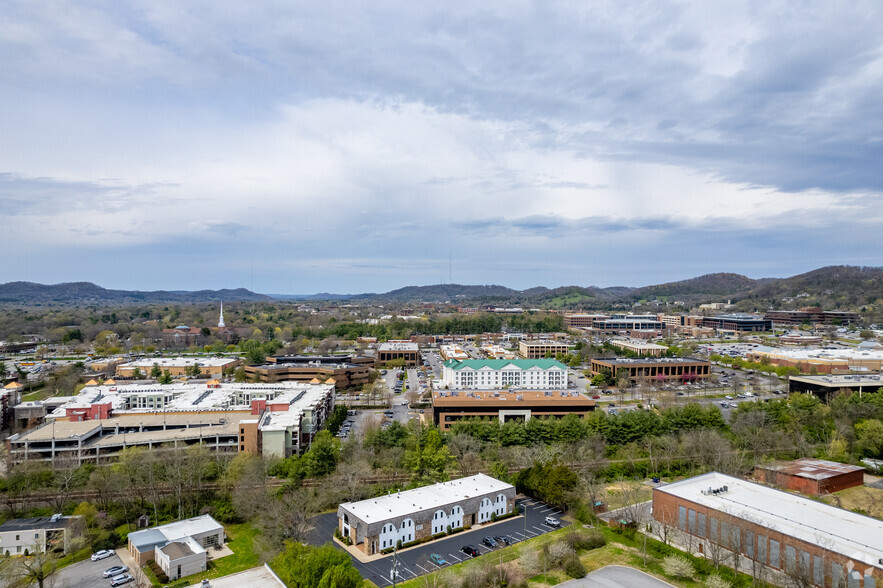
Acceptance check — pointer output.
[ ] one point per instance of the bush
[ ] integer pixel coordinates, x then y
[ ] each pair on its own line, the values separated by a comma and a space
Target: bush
677, 566
559, 552
715, 581
574, 568
581, 541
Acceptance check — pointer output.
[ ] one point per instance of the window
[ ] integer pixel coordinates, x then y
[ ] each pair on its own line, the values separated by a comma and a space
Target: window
682, 518
790, 559
692, 519
749, 544
700, 527
818, 571
774, 554
761, 549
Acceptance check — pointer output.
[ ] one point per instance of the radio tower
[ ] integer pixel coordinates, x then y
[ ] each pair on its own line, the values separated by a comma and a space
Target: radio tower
450, 269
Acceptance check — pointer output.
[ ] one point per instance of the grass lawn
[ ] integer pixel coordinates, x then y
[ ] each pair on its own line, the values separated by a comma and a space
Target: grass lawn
619, 550
240, 540
866, 499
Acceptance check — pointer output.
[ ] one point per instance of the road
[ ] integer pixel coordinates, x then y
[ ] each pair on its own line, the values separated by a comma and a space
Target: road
415, 562
617, 577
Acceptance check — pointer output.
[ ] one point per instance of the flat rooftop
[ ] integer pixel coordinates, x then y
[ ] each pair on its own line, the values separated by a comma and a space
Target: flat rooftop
652, 361
165, 362
814, 469
505, 398
807, 353
639, 345
498, 364
398, 346
842, 531
72, 429
841, 381
418, 500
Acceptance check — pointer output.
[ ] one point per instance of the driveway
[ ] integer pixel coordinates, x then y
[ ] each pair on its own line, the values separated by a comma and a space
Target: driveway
87, 574
415, 562
617, 577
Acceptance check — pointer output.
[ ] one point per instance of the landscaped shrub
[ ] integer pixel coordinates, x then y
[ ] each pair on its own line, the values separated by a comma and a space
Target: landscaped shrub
715, 581
574, 568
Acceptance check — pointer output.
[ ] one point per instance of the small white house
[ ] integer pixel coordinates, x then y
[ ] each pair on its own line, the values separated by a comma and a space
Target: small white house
194, 534
181, 558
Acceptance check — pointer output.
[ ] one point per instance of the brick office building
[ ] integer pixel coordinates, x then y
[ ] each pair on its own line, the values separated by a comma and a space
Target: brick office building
811, 476
652, 369
394, 350
450, 406
812, 543
380, 523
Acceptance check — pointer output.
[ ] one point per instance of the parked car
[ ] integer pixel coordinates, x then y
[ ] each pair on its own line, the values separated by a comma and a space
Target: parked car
205, 584
596, 397
438, 560
470, 550
115, 571
489, 541
121, 579
728, 397
104, 553
552, 522
501, 540
725, 404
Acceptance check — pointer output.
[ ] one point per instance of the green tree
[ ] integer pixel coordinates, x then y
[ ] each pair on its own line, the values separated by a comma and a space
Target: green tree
428, 457
305, 566
321, 459
166, 377
155, 371
869, 438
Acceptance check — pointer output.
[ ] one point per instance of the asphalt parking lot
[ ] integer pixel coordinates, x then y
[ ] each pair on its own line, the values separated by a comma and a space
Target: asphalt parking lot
87, 574
415, 561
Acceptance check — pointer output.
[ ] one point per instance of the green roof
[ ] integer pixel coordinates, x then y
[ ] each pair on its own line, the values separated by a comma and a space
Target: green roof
497, 364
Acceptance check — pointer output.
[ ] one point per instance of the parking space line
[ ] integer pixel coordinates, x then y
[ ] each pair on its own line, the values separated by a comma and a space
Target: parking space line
454, 557
425, 571
546, 510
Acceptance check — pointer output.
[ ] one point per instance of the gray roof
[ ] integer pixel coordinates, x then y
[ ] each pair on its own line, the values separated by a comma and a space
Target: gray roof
36, 523
147, 539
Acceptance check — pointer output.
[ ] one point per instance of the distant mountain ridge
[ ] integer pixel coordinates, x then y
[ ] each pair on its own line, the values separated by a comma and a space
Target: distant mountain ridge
89, 293
849, 285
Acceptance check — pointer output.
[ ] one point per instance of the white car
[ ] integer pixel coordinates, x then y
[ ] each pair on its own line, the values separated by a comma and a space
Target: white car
552, 522
104, 553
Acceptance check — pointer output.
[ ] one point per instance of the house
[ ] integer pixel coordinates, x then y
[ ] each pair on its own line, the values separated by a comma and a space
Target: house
180, 547
24, 536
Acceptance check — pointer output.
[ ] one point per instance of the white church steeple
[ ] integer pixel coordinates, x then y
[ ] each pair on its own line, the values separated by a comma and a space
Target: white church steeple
221, 324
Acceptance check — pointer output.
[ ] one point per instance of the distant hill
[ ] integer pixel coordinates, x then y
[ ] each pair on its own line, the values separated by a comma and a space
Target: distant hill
830, 287
709, 285
88, 293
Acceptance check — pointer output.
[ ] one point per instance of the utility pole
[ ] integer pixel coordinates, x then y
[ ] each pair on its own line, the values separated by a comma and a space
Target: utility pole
394, 572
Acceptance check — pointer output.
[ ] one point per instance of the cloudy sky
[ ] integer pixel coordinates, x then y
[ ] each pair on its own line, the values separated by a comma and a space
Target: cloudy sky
300, 147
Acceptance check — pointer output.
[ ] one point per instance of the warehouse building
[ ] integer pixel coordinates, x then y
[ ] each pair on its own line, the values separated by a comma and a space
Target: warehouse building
450, 406
811, 476
377, 524
495, 374
810, 542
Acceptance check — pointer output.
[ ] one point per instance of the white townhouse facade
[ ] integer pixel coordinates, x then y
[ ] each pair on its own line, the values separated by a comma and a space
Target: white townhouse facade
496, 374
377, 524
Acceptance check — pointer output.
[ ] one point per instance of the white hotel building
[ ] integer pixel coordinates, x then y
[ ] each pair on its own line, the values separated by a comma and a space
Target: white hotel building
495, 374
